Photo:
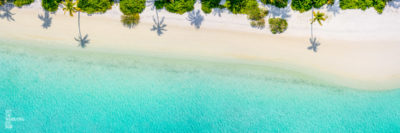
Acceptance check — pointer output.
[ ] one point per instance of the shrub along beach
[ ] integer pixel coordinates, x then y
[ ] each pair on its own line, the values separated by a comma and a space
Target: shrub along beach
342, 38
132, 8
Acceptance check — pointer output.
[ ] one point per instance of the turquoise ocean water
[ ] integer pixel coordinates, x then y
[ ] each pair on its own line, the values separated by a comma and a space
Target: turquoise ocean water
77, 91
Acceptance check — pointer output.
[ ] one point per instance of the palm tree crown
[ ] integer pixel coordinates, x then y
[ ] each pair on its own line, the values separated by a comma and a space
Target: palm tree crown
319, 16
70, 7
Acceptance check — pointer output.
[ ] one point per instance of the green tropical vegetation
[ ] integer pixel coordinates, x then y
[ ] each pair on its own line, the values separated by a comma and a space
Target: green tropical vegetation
277, 3
318, 17
258, 24
277, 25
175, 6
95, 6
330, 2
131, 10
250, 7
130, 7
379, 5
257, 14
20, 3
241, 6
51, 5
208, 5
256, 17
70, 7
306, 5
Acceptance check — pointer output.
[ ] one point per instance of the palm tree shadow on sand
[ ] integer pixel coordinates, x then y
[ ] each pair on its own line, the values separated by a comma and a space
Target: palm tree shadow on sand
159, 25
314, 44
46, 19
313, 40
7, 14
394, 4
335, 8
218, 12
82, 40
279, 12
195, 18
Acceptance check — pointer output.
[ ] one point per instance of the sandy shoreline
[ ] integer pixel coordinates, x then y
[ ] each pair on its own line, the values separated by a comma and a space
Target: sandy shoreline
362, 55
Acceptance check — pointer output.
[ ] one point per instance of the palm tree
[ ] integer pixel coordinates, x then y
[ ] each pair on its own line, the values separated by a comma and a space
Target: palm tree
70, 7
319, 16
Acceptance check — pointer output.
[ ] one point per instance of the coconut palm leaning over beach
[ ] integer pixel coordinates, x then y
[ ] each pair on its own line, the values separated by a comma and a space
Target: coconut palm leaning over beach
70, 7
318, 16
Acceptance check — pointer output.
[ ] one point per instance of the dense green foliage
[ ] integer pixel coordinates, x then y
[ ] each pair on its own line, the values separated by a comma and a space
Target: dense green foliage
249, 7
257, 14
51, 5
330, 2
305, 5
257, 17
379, 5
95, 6
319, 17
130, 7
175, 6
277, 3
20, 3
277, 25
241, 6
70, 7
208, 5
258, 23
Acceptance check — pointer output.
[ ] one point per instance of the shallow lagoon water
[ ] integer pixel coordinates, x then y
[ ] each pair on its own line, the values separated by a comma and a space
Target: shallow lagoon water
76, 91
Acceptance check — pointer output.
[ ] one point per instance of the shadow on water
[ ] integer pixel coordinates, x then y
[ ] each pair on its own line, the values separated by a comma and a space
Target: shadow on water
335, 8
5, 12
82, 40
195, 18
46, 19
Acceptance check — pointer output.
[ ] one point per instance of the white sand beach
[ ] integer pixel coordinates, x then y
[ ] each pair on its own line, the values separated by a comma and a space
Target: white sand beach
361, 49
